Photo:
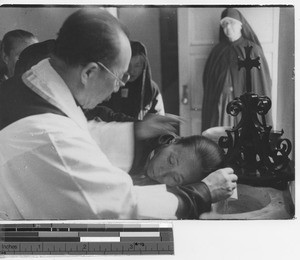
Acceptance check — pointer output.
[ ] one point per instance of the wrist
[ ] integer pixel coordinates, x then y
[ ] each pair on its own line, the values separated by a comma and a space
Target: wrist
194, 199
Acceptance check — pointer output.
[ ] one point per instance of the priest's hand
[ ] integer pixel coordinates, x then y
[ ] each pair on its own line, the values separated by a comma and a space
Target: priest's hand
221, 184
155, 125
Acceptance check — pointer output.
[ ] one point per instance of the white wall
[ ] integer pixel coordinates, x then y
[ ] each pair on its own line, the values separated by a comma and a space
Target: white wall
43, 22
143, 25
286, 80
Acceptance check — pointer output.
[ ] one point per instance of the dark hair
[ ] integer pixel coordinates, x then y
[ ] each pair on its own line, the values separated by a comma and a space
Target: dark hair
33, 54
89, 34
207, 151
10, 37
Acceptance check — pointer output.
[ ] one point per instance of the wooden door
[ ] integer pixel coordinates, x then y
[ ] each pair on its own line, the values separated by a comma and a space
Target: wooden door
198, 32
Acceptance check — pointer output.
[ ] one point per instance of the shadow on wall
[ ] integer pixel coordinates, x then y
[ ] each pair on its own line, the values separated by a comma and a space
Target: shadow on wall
169, 59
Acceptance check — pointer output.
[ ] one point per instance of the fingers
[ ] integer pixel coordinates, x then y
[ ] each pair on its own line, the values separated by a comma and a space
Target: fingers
168, 118
231, 180
155, 125
165, 124
175, 117
233, 192
221, 183
232, 186
229, 172
167, 128
234, 178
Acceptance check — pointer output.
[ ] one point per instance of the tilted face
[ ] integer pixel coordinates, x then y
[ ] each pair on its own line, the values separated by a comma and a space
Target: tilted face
136, 67
12, 58
232, 29
174, 165
102, 84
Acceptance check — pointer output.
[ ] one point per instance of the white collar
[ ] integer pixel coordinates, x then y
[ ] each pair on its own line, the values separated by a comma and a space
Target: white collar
47, 83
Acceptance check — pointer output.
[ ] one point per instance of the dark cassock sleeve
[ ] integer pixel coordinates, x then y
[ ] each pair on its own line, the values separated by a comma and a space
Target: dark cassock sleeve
194, 199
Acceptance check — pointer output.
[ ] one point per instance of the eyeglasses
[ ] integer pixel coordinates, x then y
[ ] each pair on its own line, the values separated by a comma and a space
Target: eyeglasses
125, 77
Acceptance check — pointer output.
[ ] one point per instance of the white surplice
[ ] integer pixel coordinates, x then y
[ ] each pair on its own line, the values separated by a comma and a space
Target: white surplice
58, 167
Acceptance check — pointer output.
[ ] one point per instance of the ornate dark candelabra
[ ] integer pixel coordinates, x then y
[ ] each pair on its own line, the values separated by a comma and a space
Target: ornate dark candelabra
258, 155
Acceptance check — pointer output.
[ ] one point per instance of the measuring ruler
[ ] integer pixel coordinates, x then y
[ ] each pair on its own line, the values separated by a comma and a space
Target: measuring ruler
81, 239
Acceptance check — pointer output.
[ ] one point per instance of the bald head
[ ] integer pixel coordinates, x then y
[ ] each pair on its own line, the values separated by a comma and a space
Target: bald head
90, 35
123, 53
91, 53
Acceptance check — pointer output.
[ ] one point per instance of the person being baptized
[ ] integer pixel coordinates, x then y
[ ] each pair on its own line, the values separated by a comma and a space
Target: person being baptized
174, 160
